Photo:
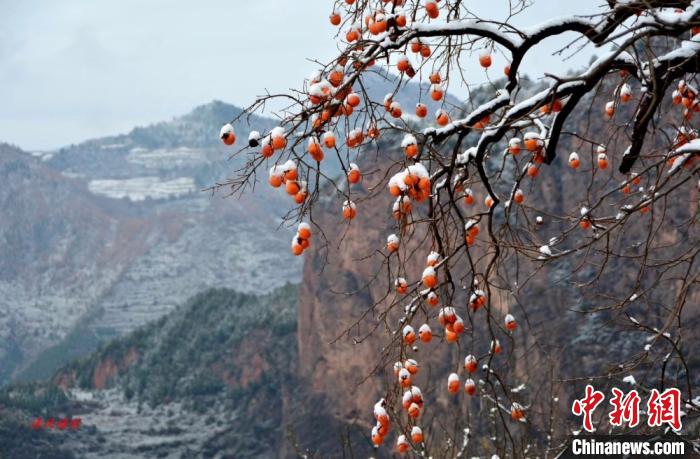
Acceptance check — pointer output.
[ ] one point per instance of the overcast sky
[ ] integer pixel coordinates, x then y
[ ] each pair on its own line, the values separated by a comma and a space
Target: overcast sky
77, 69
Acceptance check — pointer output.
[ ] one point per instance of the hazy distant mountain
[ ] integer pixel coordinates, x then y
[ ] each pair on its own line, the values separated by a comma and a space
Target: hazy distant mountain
102, 237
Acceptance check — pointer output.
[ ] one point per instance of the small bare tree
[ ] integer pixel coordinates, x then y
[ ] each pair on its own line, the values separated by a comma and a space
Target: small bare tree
469, 193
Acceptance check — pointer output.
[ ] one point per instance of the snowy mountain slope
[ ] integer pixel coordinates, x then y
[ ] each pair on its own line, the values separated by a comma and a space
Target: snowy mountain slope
216, 377
105, 236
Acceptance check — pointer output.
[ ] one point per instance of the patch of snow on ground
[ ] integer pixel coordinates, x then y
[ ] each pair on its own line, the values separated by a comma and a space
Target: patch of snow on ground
127, 429
142, 188
167, 158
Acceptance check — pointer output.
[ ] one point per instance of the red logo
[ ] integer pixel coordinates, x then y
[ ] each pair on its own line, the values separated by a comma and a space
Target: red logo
625, 408
587, 405
665, 408
60, 424
662, 408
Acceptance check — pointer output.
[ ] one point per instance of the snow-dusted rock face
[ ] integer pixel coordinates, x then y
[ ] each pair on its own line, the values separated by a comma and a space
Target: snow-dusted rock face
333, 348
105, 236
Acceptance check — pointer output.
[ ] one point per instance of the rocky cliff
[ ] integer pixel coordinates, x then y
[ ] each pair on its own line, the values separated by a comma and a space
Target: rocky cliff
342, 337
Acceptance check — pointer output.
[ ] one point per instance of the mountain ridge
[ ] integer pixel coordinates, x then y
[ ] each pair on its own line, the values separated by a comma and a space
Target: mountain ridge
95, 264
135, 235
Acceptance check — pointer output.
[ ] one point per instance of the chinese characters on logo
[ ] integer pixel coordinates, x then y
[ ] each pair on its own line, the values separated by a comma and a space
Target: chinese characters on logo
60, 424
662, 408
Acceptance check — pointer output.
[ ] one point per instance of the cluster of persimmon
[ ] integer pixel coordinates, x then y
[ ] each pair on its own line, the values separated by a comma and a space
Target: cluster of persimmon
533, 142
335, 100
601, 158
329, 99
623, 95
413, 183
383, 423
401, 207
683, 136
452, 323
328, 140
274, 141
633, 180
405, 371
378, 22
286, 174
412, 402
437, 92
471, 227
470, 361
419, 47
442, 117
302, 239
553, 107
392, 107
447, 317
686, 95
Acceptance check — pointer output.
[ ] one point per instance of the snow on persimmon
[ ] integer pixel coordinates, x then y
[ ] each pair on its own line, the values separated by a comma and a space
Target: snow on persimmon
470, 363
329, 139
432, 299
416, 435
432, 259
409, 335
429, 277
410, 145
533, 141
401, 285
404, 377
254, 139
425, 334
227, 135
392, 243
453, 383
314, 148
574, 161
477, 300
495, 346
510, 322
514, 146
469, 386
349, 210
402, 445
411, 365
517, 412
354, 173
